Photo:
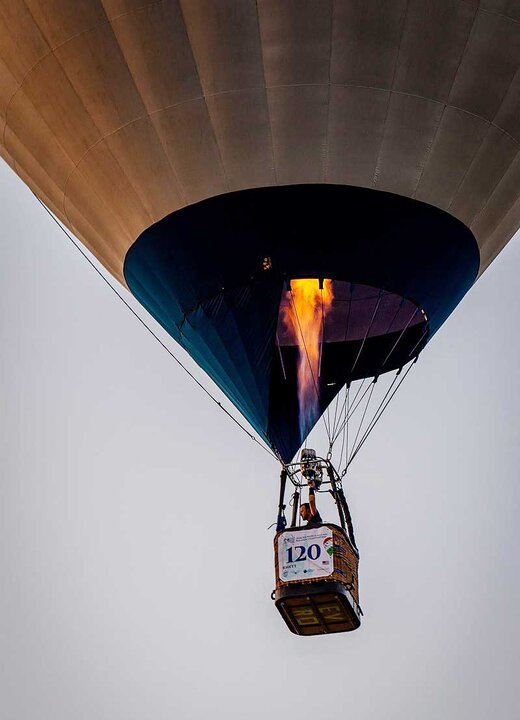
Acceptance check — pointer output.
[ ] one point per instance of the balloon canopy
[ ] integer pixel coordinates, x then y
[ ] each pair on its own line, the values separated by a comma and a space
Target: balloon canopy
215, 154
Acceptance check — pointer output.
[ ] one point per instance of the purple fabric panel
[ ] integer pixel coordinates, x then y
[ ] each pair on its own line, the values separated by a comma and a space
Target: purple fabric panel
356, 310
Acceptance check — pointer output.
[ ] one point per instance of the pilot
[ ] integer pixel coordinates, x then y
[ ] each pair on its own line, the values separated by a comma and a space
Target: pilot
309, 511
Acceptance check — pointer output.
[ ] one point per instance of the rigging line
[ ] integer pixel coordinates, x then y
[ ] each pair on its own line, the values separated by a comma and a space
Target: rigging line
347, 428
381, 292
335, 412
322, 341
389, 390
281, 357
367, 332
322, 332
336, 434
375, 420
354, 407
425, 332
395, 315
363, 416
347, 325
399, 338
348, 312
174, 357
331, 445
308, 360
345, 435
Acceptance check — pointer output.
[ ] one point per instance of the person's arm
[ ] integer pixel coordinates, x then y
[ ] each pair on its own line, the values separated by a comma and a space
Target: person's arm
312, 501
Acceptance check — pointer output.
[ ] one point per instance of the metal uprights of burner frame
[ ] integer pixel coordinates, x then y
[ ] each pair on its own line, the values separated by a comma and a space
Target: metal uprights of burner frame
324, 474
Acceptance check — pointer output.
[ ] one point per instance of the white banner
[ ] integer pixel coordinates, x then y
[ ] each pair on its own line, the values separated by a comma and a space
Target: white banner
305, 554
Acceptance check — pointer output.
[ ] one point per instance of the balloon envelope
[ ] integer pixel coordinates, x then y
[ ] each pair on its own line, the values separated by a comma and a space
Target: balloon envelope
210, 151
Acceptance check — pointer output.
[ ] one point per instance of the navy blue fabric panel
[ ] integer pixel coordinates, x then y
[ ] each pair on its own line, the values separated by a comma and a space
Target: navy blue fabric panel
228, 332
200, 272
228, 335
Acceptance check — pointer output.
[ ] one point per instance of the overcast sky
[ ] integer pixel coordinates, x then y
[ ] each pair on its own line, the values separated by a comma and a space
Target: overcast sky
136, 564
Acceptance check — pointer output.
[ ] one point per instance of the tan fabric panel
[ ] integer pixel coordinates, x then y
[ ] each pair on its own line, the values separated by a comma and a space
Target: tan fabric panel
296, 40
492, 161
27, 164
503, 197
155, 45
410, 128
241, 124
146, 170
104, 172
495, 242
225, 39
356, 125
508, 115
188, 138
53, 199
488, 67
365, 44
7, 157
457, 141
94, 223
63, 19
118, 112
18, 30
509, 8
48, 103
432, 30
117, 8
8, 87
299, 127
105, 196
31, 142
98, 72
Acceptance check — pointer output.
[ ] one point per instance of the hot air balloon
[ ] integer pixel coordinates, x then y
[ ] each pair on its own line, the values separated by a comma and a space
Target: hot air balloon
300, 192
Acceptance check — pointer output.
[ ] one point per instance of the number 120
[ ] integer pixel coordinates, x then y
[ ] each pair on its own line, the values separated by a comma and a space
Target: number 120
312, 553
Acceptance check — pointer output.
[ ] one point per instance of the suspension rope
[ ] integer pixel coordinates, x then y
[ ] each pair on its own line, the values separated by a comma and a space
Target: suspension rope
345, 439
354, 407
281, 357
373, 385
338, 429
322, 341
161, 343
376, 418
348, 311
424, 333
336, 411
354, 448
399, 338
367, 332
336, 434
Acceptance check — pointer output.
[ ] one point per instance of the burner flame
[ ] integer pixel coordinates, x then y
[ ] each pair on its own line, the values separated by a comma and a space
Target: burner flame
304, 317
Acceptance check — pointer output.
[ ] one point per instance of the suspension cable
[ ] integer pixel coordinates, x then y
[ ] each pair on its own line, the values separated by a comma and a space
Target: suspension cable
346, 431
342, 422
399, 338
364, 414
161, 343
376, 418
367, 332
354, 407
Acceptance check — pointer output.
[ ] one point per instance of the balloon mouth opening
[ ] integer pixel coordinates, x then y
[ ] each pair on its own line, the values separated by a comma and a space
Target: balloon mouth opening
318, 318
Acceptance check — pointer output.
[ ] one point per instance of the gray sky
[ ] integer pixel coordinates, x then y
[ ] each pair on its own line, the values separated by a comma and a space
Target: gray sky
135, 558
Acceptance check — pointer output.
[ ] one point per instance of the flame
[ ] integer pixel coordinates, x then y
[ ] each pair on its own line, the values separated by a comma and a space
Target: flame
303, 317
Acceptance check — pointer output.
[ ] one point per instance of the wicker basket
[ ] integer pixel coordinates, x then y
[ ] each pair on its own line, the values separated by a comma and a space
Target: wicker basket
327, 603
345, 561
